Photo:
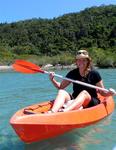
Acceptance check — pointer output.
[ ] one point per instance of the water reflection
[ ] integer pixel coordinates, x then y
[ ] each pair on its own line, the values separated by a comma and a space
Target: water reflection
64, 142
79, 139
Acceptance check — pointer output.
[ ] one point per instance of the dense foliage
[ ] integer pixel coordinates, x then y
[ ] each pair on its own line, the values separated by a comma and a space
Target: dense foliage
93, 29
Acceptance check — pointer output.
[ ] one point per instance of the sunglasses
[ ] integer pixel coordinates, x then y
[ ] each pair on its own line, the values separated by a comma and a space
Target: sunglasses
85, 53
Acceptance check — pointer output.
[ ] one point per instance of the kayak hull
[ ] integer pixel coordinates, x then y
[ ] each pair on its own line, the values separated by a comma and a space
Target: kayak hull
32, 125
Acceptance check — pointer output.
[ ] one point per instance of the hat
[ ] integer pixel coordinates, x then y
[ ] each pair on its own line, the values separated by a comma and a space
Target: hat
82, 54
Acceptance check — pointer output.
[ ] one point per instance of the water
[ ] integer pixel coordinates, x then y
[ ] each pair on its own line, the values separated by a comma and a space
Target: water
20, 90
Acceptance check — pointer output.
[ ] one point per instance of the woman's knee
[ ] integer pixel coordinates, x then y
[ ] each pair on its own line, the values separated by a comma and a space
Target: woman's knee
86, 94
64, 93
87, 98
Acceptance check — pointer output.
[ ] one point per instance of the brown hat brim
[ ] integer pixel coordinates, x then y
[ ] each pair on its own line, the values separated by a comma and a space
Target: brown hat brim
82, 56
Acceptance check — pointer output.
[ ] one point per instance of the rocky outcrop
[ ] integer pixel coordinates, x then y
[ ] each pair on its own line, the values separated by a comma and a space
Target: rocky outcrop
6, 68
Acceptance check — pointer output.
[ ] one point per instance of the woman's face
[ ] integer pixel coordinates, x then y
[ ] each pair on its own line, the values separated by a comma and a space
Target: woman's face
82, 63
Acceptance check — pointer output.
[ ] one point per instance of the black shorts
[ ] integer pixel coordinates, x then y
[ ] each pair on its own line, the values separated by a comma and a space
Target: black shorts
71, 97
94, 101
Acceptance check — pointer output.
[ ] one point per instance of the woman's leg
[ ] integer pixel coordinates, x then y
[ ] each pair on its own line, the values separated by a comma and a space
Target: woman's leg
61, 98
82, 99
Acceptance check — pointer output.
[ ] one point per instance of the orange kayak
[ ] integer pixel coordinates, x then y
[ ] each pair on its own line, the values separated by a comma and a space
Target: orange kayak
31, 123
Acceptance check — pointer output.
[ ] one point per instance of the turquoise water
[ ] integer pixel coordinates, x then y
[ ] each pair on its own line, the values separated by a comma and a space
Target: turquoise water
20, 90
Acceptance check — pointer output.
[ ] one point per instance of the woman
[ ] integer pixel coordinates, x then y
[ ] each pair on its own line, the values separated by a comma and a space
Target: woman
82, 96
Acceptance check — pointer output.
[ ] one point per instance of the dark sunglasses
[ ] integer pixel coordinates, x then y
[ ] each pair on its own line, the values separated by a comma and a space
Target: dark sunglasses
85, 53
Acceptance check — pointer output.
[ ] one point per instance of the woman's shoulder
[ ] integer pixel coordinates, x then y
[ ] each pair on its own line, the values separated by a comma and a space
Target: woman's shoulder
95, 73
94, 70
76, 70
73, 72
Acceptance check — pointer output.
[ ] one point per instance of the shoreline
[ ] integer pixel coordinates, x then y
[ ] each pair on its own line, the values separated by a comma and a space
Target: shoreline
46, 67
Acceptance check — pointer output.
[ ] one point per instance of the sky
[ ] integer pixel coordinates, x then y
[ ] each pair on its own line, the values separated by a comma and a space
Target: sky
17, 10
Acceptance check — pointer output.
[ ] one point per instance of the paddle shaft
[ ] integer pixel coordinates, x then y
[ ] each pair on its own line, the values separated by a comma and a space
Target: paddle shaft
79, 82
28, 67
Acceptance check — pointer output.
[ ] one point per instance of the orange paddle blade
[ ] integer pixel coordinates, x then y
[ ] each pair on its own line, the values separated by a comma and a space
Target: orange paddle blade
26, 67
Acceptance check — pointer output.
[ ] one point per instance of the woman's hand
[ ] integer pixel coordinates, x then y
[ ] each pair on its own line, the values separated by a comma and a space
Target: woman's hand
51, 75
111, 92
56, 84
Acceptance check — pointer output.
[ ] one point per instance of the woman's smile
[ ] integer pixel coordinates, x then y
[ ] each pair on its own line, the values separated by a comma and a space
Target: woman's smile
82, 63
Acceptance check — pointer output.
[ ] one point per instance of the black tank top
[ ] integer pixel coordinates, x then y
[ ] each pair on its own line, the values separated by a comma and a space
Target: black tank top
92, 78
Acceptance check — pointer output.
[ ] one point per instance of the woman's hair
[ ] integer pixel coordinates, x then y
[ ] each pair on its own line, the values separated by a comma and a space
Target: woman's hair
89, 66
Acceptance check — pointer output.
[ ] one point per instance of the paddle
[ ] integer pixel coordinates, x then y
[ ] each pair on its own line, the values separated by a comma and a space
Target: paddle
28, 67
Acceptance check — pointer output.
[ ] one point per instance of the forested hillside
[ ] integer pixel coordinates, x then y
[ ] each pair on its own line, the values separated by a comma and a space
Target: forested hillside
93, 29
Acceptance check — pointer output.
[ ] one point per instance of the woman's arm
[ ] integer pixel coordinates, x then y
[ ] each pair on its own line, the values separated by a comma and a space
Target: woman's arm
57, 84
103, 93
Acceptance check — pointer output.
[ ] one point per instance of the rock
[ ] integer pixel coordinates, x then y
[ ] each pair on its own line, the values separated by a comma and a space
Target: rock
48, 66
6, 68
